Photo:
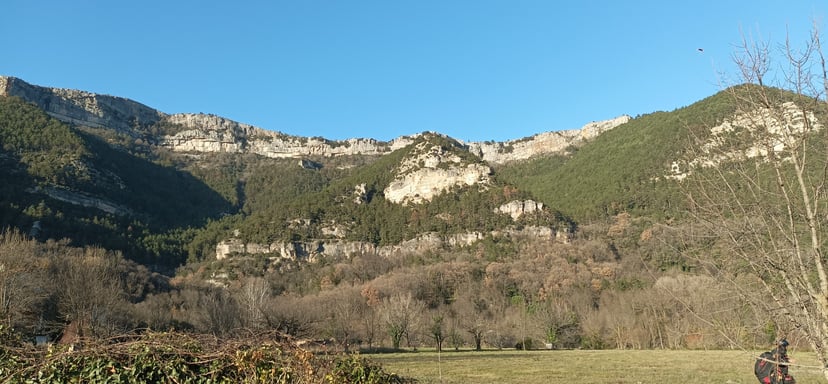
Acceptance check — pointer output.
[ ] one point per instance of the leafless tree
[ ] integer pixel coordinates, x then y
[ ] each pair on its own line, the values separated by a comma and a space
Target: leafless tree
340, 312
757, 185
370, 319
252, 298
401, 314
475, 306
211, 309
23, 285
89, 291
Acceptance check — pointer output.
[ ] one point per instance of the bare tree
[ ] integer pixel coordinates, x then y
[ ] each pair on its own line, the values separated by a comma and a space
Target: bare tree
370, 317
401, 314
252, 298
21, 286
757, 183
436, 330
211, 309
340, 312
89, 291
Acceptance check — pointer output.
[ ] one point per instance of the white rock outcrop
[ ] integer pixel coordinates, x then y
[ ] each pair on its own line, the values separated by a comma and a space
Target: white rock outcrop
427, 242
518, 208
210, 133
772, 131
542, 143
82, 199
83, 108
431, 172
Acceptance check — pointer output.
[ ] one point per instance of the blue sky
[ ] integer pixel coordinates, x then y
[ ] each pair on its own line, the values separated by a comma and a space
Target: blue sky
475, 70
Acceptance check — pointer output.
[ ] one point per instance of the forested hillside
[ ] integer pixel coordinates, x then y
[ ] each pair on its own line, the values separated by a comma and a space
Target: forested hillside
588, 248
77, 186
624, 169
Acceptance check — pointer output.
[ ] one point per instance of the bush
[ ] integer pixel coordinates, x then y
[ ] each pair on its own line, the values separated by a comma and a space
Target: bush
593, 341
526, 344
355, 369
182, 358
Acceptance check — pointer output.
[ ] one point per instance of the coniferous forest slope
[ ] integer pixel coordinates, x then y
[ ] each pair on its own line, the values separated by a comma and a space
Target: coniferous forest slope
425, 244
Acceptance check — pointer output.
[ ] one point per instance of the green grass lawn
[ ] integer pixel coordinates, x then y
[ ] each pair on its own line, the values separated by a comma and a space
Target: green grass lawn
607, 366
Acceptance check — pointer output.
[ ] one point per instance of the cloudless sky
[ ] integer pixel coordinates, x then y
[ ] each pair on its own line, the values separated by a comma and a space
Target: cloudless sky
475, 70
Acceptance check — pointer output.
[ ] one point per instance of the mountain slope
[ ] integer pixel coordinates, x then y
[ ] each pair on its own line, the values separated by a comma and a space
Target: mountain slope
577, 242
622, 170
193, 181
81, 188
365, 207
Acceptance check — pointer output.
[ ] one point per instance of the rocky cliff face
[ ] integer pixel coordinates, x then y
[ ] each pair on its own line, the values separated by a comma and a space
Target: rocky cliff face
518, 208
542, 143
83, 108
210, 133
207, 133
310, 251
82, 199
431, 171
779, 131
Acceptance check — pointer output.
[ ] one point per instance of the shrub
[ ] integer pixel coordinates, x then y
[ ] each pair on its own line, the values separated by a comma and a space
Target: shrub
183, 358
526, 344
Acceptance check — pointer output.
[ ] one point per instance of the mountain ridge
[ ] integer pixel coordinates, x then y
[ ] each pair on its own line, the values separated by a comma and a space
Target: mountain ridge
211, 133
343, 192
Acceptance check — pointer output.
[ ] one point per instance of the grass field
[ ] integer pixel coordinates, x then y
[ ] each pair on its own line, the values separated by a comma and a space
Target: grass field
582, 367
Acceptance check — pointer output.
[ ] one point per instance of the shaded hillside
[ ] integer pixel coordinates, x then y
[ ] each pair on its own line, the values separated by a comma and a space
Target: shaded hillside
110, 188
81, 188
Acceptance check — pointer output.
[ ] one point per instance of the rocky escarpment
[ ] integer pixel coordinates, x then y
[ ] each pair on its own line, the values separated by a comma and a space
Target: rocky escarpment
429, 242
83, 108
779, 131
82, 199
430, 171
542, 143
209, 133
518, 208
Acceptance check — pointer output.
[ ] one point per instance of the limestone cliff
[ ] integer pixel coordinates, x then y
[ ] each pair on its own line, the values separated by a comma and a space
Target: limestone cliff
542, 143
517, 208
779, 129
83, 108
311, 250
431, 171
82, 199
210, 133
